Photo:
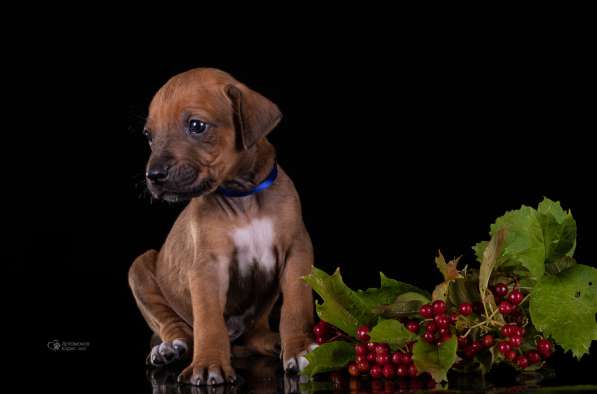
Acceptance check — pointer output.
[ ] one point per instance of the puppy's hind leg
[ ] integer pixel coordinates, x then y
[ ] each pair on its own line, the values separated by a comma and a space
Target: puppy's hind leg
175, 334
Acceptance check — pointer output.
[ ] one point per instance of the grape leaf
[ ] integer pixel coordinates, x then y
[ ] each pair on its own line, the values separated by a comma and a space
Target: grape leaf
479, 248
329, 357
563, 306
559, 230
491, 255
524, 242
436, 360
392, 332
561, 264
388, 292
449, 271
341, 306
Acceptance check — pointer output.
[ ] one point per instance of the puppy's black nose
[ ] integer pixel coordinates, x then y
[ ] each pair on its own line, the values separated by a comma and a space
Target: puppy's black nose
157, 174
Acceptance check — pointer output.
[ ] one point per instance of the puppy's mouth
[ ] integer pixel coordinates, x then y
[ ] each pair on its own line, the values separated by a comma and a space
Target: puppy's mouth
183, 194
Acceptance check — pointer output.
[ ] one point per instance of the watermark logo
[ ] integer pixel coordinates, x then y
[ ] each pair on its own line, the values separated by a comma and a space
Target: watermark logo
67, 346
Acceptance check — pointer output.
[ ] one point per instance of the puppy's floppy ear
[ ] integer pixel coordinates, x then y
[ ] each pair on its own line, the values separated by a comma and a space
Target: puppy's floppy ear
254, 115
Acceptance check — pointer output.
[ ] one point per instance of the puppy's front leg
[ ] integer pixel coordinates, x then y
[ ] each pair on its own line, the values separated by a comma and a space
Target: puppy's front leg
296, 320
211, 345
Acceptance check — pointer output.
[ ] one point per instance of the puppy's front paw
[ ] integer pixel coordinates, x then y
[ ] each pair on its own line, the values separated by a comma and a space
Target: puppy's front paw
207, 373
294, 363
167, 352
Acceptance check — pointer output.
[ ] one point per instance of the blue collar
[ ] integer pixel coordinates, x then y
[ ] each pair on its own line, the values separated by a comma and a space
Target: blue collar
262, 186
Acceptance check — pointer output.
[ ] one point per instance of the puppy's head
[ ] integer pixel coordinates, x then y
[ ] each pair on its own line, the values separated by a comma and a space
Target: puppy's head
202, 124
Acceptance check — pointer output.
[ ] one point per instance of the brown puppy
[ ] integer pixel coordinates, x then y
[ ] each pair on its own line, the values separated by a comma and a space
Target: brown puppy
228, 257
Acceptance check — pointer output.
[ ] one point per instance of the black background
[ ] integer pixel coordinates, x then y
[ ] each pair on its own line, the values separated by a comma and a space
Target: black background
398, 149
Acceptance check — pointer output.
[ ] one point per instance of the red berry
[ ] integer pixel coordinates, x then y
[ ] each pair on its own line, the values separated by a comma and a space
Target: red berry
488, 341
363, 366
439, 307
465, 309
453, 317
469, 351
388, 371
442, 321
522, 362
360, 349
412, 326
430, 327
376, 372
321, 329
520, 331
407, 358
500, 289
412, 371
444, 332
515, 297
363, 333
544, 347
515, 341
382, 348
533, 357
382, 358
477, 346
461, 341
360, 358
503, 347
397, 358
371, 357
511, 355
371, 346
506, 308
353, 370
426, 311
402, 371
320, 340
431, 384
428, 336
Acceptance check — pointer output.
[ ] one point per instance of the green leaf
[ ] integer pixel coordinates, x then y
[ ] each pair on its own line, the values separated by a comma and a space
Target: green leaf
342, 307
559, 230
524, 242
329, 357
388, 292
465, 289
563, 306
400, 287
479, 248
392, 332
491, 255
561, 264
436, 360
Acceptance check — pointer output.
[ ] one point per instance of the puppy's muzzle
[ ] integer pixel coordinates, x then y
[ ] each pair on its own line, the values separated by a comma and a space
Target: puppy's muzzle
175, 181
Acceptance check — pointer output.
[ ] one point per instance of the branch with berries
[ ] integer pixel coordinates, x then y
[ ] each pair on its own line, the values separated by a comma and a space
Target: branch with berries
526, 298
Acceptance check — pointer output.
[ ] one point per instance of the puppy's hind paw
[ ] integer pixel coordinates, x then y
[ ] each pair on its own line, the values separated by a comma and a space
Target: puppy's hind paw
167, 352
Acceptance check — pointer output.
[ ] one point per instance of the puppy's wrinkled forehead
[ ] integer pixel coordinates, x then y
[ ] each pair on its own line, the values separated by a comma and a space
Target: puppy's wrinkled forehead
199, 92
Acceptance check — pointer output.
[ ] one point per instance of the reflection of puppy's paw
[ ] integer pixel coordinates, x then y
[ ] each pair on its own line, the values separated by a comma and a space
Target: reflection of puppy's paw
299, 361
167, 352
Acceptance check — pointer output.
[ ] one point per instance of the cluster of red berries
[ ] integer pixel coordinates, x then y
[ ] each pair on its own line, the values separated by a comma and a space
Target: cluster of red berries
512, 338
508, 301
438, 329
376, 359
325, 332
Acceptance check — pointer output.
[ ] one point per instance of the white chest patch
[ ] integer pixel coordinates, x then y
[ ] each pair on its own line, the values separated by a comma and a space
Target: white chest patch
254, 245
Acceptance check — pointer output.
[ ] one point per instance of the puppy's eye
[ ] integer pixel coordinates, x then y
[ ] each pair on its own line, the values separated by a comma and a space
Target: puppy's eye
147, 135
197, 126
